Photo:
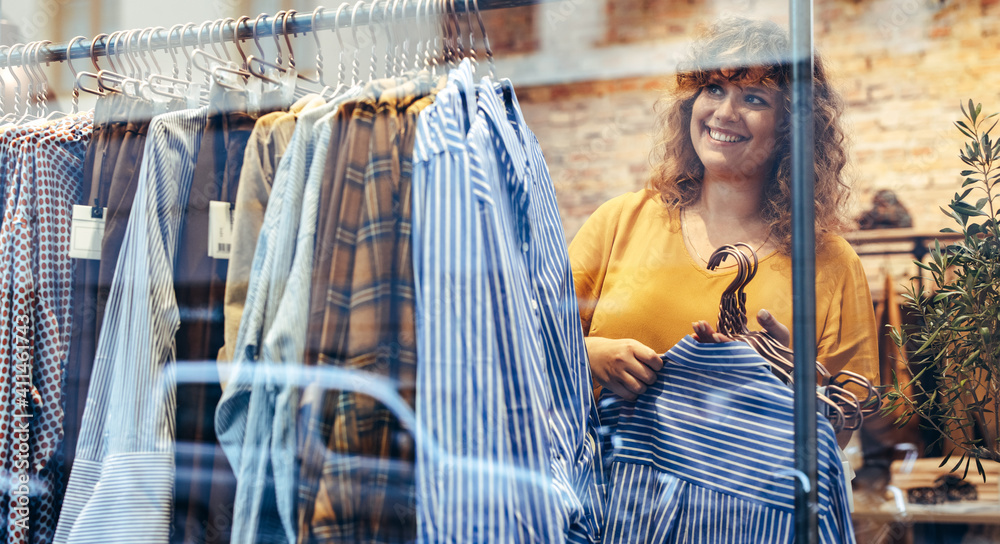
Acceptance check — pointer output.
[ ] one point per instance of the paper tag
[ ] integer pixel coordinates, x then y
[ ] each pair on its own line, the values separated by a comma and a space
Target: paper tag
220, 230
86, 232
255, 94
193, 95
289, 80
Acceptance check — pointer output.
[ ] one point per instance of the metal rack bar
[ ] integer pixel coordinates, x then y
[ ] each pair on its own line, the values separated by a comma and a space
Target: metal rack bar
804, 269
297, 23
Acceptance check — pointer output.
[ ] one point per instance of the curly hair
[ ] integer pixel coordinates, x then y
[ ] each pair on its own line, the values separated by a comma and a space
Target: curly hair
748, 52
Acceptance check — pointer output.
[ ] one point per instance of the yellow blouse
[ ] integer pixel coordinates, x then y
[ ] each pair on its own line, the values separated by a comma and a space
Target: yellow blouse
635, 279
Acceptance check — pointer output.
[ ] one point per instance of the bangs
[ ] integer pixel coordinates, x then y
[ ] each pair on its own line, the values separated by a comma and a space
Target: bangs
771, 77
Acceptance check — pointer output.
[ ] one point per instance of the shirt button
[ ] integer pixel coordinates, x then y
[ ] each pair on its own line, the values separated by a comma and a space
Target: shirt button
524, 247
534, 304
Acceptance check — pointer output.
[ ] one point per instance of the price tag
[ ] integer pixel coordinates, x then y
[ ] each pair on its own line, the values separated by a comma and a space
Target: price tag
86, 232
220, 230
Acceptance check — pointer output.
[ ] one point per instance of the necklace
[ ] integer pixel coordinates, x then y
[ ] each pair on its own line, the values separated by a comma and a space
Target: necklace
687, 239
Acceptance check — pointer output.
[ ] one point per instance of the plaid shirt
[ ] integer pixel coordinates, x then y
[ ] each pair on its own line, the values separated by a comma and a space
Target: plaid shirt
365, 320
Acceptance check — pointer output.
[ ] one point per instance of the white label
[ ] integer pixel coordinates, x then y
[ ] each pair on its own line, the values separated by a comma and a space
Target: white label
86, 233
220, 230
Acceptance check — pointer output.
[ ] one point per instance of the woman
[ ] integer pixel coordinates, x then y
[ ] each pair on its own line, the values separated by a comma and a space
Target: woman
722, 176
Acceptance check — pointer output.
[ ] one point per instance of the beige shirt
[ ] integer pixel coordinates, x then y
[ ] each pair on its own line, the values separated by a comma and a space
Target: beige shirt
266, 145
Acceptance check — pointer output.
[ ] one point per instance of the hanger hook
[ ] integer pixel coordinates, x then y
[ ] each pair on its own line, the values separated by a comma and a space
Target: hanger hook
141, 53
472, 34
127, 51
243, 20
486, 40
132, 54
222, 36
45, 79
389, 39
288, 40
342, 68
319, 48
69, 53
149, 47
122, 48
356, 74
274, 34
30, 73
109, 48
371, 32
17, 80
170, 46
256, 38
187, 56
212, 42
93, 49
398, 47
201, 28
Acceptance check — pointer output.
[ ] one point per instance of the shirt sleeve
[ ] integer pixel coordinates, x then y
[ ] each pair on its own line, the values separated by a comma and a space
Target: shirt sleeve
849, 338
589, 255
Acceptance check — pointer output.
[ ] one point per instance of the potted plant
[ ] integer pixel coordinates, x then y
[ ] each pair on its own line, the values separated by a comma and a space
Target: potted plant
955, 343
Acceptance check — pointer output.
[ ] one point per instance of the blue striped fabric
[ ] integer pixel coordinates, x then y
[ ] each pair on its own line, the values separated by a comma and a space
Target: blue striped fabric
705, 455
503, 384
121, 487
245, 420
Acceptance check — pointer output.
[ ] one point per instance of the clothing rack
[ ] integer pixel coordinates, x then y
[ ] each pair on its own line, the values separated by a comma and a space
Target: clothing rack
193, 35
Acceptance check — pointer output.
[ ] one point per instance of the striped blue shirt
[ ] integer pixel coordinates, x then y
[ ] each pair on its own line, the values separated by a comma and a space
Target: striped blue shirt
503, 383
121, 487
705, 455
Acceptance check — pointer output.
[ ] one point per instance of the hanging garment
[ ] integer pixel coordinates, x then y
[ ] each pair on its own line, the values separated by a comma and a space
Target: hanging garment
356, 480
265, 147
503, 386
42, 169
205, 485
706, 455
264, 504
110, 123
126, 441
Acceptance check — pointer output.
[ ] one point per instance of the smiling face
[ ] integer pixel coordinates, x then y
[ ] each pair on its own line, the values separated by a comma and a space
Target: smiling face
734, 129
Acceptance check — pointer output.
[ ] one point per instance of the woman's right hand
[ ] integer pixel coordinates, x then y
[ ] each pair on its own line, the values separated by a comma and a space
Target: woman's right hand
624, 366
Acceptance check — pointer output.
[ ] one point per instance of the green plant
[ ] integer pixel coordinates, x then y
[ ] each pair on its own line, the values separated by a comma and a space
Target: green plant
955, 345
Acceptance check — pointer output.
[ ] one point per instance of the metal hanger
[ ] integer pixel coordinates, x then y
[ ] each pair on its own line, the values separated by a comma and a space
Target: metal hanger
158, 79
373, 62
236, 40
260, 59
319, 47
43, 94
843, 407
10, 117
342, 65
78, 77
356, 71
486, 40
431, 53
399, 47
170, 48
35, 87
151, 53
25, 63
472, 38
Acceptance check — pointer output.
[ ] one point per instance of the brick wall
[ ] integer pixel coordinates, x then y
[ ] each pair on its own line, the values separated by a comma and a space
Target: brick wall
902, 65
